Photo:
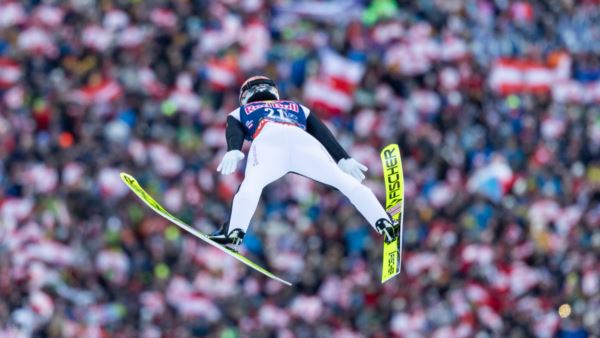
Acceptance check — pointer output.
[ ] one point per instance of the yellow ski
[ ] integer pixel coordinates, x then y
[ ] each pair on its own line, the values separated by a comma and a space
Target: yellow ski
394, 204
144, 196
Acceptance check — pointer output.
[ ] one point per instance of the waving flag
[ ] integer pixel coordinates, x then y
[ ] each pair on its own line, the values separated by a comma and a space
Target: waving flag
101, 91
10, 72
333, 89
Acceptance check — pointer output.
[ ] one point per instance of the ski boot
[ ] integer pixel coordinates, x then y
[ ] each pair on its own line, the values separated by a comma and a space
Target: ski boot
224, 236
388, 228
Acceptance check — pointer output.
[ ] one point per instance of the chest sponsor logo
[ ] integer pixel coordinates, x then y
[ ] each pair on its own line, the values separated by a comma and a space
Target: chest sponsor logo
287, 105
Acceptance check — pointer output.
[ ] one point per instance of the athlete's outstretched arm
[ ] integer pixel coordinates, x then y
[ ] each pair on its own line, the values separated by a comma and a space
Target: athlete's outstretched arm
319, 130
234, 133
316, 128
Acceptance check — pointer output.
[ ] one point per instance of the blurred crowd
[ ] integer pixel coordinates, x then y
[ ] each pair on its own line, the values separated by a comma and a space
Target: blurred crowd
502, 172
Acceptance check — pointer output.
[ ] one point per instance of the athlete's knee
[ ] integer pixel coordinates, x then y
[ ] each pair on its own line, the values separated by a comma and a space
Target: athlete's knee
351, 187
250, 188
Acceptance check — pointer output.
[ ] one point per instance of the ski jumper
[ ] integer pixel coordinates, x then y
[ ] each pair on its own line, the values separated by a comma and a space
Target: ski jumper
280, 132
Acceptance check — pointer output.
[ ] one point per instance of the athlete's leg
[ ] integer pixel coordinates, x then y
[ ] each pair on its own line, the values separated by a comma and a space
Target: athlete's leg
267, 161
312, 160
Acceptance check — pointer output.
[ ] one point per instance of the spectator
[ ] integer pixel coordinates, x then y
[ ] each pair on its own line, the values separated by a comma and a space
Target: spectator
493, 104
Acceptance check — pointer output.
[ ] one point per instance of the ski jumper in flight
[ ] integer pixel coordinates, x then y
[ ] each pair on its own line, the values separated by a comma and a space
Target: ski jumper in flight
286, 137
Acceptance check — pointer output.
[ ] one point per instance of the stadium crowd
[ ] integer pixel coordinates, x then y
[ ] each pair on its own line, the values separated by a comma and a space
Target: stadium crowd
494, 104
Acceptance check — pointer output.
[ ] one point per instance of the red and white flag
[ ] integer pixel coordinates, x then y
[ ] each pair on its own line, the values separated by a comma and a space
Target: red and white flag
37, 41
505, 77
513, 76
41, 304
51, 252
221, 73
150, 83
321, 94
509, 76
333, 89
103, 91
538, 77
256, 41
10, 72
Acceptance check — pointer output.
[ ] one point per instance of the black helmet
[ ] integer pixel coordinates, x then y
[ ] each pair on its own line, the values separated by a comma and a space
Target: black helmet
258, 88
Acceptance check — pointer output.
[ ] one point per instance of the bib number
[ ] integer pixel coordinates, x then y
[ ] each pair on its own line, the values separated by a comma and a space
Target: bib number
277, 113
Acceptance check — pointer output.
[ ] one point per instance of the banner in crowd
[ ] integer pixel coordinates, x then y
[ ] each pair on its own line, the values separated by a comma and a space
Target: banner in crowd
515, 76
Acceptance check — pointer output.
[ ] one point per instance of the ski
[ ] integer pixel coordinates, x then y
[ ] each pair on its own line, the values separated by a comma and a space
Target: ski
144, 196
394, 204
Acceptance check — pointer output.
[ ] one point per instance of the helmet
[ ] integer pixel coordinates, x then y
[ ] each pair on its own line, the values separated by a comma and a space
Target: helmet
258, 88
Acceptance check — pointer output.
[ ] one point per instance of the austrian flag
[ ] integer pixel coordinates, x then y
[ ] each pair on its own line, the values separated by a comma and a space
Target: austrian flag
333, 89
101, 91
513, 76
10, 72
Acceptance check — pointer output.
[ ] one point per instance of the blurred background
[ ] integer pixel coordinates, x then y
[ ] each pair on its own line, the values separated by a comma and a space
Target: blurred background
494, 104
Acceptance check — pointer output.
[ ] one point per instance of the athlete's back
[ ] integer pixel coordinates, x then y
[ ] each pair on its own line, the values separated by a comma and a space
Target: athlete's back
254, 115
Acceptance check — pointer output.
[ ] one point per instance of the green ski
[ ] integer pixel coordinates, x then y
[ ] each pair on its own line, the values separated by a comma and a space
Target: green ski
394, 204
144, 196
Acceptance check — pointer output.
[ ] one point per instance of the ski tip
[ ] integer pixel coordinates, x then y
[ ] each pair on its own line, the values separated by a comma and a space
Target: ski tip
126, 177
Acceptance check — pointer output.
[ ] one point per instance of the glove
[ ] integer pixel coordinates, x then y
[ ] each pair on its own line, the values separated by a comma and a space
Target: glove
230, 161
353, 167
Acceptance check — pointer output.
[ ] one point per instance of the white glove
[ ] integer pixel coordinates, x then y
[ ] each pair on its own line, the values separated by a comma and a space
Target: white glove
230, 161
353, 167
